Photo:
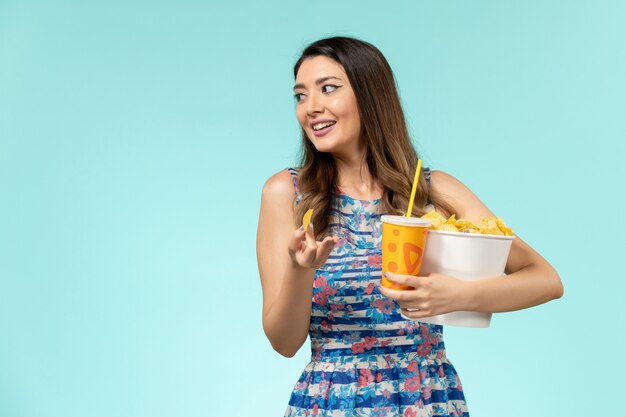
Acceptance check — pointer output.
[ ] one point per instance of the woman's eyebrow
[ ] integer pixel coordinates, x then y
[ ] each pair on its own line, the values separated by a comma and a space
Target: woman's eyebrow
318, 81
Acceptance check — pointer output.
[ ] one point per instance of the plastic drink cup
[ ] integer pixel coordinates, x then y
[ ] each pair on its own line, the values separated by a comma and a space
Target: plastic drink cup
404, 242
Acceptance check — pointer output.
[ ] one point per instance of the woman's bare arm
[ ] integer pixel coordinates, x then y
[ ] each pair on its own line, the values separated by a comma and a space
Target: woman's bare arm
287, 261
530, 279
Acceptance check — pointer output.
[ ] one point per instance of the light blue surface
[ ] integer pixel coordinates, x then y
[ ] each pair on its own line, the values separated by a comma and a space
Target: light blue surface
135, 138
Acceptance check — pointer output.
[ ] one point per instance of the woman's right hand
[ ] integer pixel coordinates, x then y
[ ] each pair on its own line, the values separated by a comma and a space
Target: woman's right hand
306, 252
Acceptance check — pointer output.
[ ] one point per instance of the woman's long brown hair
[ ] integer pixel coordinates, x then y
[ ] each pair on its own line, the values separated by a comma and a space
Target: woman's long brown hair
390, 156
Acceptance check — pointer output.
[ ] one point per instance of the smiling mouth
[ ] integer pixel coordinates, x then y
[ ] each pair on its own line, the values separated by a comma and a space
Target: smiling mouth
319, 126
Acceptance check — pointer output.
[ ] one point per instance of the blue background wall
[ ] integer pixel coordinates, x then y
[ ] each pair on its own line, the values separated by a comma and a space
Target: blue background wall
135, 137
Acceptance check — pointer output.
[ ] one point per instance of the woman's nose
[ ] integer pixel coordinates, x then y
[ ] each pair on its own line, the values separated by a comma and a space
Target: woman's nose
315, 104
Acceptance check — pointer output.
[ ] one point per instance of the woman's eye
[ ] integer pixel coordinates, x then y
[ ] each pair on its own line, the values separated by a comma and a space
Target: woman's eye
298, 96
329, 88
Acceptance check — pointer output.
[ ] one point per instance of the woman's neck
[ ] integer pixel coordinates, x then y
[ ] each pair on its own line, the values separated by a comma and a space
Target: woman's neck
355, 179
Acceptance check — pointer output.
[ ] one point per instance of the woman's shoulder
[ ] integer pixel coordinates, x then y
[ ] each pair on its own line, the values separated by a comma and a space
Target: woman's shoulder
445, 182
281, 185
458, 195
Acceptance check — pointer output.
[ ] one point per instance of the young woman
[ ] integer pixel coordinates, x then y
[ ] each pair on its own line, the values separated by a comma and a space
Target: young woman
324, 282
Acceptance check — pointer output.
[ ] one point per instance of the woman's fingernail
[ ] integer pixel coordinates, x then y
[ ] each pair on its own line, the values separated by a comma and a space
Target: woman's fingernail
386, 274
301, 228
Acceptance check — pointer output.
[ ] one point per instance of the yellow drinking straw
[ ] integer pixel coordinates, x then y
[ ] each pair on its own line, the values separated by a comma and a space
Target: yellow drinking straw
415, 181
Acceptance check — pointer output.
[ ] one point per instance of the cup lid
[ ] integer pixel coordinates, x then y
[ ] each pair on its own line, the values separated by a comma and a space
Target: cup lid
405, 221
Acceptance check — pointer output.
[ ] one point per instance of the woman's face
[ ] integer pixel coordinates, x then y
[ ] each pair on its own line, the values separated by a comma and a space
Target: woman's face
326, 106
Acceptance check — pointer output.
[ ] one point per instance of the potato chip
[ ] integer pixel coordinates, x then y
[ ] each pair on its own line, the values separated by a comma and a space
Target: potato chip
306, 219
451, 220
467, 226
507, 231
435, 218
489, 226
448, 227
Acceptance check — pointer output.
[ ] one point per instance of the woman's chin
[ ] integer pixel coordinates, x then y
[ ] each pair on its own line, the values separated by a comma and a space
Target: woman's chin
327, 149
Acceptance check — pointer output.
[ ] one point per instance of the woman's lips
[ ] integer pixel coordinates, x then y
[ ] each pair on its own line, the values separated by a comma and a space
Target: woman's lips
324, 131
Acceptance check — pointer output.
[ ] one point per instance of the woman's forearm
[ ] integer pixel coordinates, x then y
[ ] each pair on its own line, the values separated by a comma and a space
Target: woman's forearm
528, 287
286, 320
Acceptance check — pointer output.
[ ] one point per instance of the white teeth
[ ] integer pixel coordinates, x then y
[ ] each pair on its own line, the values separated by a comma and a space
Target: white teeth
322, 125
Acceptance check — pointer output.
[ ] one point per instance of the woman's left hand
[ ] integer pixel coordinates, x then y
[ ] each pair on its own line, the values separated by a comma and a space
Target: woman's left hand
431, 295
